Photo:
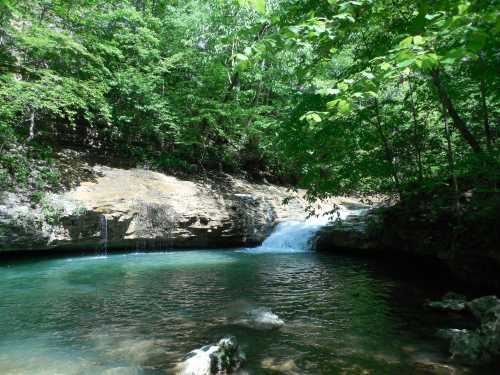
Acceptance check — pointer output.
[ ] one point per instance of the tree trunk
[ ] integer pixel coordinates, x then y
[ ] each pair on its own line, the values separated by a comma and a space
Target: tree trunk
416, 135
32, 126
234, 81
387, 149
451, 165
486, 120
458, 122
234, 78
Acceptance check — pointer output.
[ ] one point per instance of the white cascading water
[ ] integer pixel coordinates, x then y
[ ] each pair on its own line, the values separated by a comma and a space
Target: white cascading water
296, 236
103, 221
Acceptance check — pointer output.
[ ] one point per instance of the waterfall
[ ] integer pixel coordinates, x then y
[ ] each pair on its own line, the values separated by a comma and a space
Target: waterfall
297, 236
104, 234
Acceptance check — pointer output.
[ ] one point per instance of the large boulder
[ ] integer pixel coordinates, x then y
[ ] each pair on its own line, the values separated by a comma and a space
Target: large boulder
479, 307
468, 347
351, 233
482, 345
139, 208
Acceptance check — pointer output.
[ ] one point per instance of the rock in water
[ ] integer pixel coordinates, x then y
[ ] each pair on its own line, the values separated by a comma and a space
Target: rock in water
450, 302
221, 359
480, 306
261, 319
482, 345
450, 333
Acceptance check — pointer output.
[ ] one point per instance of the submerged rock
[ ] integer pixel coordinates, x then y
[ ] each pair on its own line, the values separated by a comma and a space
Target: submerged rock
434, 368
222, 358
261, 319
122, 371
287, 367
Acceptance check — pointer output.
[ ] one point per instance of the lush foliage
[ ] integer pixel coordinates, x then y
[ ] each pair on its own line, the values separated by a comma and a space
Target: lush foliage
165, 82
343, 96
402, 96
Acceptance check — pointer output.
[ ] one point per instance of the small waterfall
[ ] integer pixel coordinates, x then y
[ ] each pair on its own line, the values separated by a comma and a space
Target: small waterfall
104, 234
297, 236
292, 236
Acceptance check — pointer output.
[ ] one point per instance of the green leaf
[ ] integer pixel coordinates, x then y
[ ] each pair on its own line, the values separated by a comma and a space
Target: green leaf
432, 17
405, 63
345, 16
406, 42
240, 56
343, 86
385, 66
328, 91
476, 41
242, 65
457, 53
428, 61
344, 106
462, 8
258, 5
448, 61
418, 40
332, 104
312, 118
368, 75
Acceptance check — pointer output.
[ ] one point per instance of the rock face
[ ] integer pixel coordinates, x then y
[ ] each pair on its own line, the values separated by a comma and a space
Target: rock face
470, 255
144, 209
351, 233
470, 251
483, 344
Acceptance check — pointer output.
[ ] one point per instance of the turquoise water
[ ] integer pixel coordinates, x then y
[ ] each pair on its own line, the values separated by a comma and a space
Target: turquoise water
140, 313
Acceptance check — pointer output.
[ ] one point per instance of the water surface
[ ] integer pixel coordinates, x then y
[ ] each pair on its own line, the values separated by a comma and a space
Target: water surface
140, 313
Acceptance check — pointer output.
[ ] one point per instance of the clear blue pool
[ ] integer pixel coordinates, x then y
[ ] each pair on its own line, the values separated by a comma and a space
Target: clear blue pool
140, 313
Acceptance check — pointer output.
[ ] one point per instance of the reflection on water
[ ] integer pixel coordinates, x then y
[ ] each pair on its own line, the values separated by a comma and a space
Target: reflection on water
140, 313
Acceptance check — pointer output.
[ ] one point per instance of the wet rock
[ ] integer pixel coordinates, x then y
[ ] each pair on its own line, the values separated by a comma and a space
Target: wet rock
450, 333
482, 345
468, 347
490, 332
222, 358
350, 233
261, 319
480, 306
450, 302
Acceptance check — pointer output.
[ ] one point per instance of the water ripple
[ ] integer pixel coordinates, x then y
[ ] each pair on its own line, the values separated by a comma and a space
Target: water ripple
140, 313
